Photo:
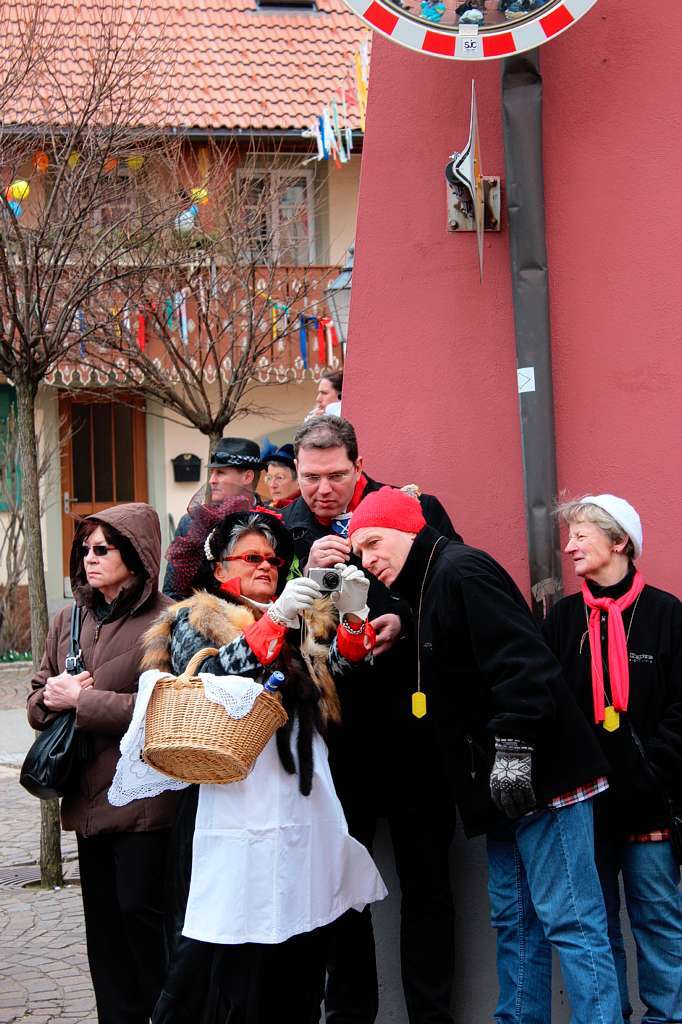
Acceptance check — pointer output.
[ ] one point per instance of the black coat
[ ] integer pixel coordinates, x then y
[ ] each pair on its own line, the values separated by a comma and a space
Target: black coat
366, 751
637, 780
486, 671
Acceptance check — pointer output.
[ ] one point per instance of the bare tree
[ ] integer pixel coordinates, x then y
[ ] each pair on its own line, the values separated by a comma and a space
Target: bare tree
233, 294
103, 223
14, 630
80, 145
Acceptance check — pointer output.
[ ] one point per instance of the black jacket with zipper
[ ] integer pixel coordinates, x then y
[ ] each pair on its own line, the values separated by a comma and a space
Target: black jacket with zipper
645, 752
486, 671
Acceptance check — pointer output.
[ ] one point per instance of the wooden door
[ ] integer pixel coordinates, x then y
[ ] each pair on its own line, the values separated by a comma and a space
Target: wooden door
103, 459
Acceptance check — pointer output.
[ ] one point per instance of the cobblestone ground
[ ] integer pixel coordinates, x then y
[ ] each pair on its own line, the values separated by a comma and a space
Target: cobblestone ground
44, 975
14, 685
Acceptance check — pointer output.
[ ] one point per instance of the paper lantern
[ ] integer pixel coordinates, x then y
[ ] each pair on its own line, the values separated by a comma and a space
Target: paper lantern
18, 190
184, 222
41, 161
135, 163
73, 160
16, 208
199, 196
110, 165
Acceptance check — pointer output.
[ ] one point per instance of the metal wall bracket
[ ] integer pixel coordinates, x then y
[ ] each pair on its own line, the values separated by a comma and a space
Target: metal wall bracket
461, 207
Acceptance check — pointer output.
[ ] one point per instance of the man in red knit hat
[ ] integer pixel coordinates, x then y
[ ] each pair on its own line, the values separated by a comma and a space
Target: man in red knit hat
521, 758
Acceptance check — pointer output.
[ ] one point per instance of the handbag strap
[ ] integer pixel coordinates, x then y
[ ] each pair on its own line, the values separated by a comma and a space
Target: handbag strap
74, 659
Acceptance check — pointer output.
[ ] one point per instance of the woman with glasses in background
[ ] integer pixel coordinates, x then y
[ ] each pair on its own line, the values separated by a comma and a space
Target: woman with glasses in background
258, 875
280, 476
122, 851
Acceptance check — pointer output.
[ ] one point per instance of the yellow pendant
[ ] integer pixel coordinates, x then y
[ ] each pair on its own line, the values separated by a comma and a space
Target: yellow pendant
611, 719
418, 704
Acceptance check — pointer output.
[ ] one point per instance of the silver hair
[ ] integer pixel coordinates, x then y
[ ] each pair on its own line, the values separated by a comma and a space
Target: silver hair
253, 524
577, 509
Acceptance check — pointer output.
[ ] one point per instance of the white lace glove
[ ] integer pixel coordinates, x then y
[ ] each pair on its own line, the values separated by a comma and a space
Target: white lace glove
297, 596
351, 598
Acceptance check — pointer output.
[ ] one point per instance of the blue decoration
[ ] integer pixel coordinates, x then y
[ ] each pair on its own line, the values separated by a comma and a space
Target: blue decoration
194, 209
184, 222
325, 149
16, 208
303, 339
431, 11
80, 315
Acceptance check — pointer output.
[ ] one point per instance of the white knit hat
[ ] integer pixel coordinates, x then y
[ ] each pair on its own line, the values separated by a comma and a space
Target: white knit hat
624, 514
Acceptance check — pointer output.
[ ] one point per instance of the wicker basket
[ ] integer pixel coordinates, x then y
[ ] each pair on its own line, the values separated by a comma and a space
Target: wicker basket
193, 739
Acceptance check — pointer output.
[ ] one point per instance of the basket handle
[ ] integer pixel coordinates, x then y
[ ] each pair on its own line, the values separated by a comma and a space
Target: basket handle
196, 659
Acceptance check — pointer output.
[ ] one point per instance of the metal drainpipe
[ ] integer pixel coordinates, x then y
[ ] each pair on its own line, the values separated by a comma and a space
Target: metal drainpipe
522, 113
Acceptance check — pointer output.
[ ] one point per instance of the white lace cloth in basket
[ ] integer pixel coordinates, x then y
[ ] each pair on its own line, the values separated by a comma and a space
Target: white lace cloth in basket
134, 778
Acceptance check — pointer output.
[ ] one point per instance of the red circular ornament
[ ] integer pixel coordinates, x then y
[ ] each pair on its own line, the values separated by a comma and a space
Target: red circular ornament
480, 32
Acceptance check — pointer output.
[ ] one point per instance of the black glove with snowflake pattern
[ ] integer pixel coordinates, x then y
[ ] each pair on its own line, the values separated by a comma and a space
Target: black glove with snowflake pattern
511, 786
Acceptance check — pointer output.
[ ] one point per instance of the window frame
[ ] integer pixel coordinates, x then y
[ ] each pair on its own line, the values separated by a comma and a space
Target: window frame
121, 172
276, 175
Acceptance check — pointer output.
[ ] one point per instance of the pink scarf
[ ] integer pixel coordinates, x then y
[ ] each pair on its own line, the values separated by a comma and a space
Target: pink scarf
619, 673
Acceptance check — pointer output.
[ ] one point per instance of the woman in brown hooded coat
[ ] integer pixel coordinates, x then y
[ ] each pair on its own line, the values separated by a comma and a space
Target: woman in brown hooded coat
114, 567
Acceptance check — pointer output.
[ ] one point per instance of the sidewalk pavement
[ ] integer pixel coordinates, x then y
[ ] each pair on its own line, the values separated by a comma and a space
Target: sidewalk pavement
44, 975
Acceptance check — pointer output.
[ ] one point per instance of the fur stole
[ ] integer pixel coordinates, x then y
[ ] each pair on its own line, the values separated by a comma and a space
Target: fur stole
221, 621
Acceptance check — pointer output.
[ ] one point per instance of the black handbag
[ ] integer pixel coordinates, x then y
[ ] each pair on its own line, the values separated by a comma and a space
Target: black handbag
56, 754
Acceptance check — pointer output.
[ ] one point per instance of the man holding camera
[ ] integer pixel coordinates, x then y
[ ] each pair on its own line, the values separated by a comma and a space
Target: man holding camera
373, 752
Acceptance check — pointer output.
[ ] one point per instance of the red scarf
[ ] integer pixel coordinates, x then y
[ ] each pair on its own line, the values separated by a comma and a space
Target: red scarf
355, 500
232, 587
619, 673
278, 503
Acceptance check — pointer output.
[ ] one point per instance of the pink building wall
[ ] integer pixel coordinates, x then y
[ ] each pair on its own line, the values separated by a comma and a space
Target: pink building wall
431, 372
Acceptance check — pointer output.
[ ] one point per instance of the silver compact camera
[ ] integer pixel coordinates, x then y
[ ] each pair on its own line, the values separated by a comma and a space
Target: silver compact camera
326, 579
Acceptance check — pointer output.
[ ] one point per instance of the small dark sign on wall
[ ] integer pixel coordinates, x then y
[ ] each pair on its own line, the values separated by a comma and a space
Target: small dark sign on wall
186, 468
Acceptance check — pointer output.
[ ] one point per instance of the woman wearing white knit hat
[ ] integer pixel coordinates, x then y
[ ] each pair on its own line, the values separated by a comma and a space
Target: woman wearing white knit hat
620, 644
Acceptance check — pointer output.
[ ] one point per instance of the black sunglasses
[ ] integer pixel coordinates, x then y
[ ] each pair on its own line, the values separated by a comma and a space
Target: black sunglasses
101, 550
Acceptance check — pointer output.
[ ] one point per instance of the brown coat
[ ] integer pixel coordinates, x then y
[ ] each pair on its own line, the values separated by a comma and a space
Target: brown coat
111, 653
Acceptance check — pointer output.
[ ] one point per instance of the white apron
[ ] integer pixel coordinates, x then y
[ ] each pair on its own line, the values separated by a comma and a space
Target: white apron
267, 862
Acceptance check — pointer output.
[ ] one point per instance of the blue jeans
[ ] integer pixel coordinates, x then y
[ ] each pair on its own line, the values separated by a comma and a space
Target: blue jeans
543, 884
651, 878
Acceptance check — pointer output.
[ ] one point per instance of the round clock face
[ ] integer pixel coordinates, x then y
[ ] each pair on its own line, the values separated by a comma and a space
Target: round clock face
470, 29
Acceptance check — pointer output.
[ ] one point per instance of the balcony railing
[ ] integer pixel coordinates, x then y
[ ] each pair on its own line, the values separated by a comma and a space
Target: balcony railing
275, 327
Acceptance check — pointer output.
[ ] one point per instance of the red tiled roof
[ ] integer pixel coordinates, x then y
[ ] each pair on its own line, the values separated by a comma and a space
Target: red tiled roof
234, 66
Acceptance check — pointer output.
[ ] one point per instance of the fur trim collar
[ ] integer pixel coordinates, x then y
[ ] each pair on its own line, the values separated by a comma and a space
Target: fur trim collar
218, 620
221, 621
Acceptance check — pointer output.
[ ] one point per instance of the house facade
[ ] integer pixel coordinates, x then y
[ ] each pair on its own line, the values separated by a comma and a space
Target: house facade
257, 77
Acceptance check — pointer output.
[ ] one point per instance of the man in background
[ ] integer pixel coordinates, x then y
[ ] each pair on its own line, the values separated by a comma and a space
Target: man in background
234, 469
